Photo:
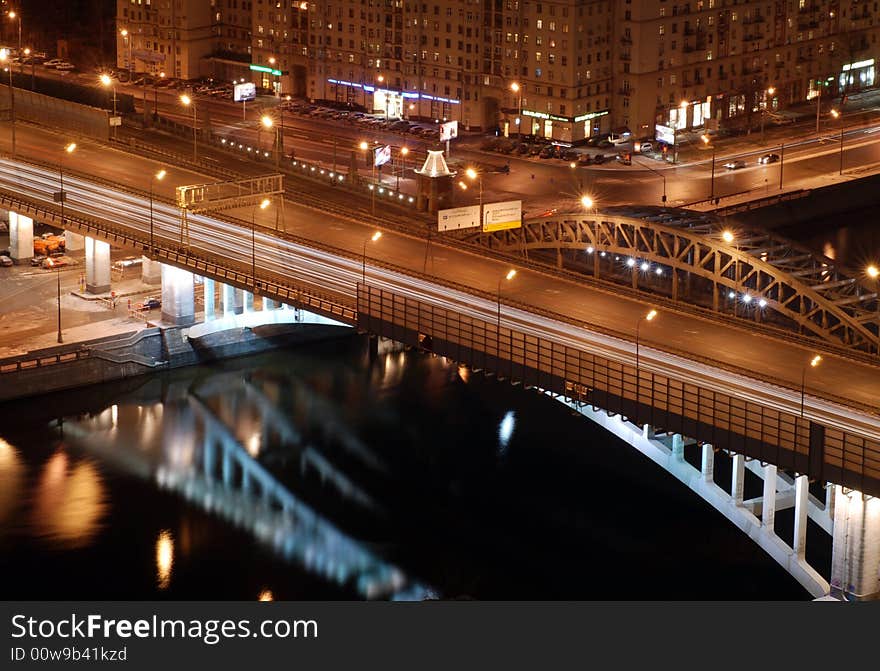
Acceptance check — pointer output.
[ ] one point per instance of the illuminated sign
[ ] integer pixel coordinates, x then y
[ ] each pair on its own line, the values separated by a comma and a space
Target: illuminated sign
664, 134
382, 155
500, 216
405, 94
860, 64
591, 115
263, 68
448, 131
458, 217
244, 92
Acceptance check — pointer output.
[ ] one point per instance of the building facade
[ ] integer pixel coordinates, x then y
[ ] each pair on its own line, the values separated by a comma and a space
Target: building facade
564, 69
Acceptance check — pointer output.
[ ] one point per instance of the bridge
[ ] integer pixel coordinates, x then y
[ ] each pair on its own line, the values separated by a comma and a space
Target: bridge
692, 374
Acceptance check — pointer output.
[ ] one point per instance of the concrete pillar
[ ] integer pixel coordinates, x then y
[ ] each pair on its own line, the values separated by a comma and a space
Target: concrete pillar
801, 500
269, 304
707, 467
678, 447
247, 302
830, 493
208, 287
74, 242
855, 549
97, 266
232, 300
738, 479
151, 271
21, 237
227, 469
768, 506
178, 300
208, 459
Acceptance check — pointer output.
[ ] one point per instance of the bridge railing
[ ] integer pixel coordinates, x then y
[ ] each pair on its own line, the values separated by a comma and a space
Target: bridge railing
724, 420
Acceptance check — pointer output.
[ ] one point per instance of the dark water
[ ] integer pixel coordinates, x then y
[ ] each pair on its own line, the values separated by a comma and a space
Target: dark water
455, 485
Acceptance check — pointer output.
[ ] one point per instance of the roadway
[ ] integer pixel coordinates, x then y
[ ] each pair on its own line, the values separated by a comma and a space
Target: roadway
733, 348
541, 183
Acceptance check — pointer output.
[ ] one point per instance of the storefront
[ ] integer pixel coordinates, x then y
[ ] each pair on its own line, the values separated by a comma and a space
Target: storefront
395, 104
565, 129
856, 76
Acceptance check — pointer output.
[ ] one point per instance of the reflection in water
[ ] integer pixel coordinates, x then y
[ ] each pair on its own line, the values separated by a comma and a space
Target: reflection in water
11, 481
266, 595
69, 501
164, 558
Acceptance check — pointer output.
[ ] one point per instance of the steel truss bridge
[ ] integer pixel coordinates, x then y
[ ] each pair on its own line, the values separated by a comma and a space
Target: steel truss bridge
683, 256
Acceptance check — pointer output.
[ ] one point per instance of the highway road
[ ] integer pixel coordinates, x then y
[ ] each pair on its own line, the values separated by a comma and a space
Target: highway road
732, 348
542, 183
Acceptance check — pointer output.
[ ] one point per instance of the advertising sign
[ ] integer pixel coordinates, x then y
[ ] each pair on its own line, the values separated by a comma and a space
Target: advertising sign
458, 217
499, 216
381, 155
664, 134
448, 131
243, 92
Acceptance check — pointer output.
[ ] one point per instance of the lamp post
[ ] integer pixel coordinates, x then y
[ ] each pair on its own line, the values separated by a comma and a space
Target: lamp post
4, 57
128, 64
188, 101
403, 152
156, 95
770, 91
263, 205
815, 361
365, 147
472, 175
516, 89
647, 317
373, 238
68, 149
837, 115
729, 238
509, 276
107, 81
12, 15
157, 176
267, 122
705, 138
818, 105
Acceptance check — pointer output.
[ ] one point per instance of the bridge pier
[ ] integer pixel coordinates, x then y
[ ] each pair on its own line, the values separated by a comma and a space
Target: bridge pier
269, 304
737, 479
208, 288
801, 502
232, 300
707, 468
151, 271
21, 237
768, 501
855, 553
97, 266
178, 299
247, 303
73, 242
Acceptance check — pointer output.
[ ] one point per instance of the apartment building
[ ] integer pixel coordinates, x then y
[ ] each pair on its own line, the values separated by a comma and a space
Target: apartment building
563, 69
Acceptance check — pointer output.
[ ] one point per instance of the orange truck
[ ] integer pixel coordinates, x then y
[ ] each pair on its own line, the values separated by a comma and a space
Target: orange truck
48, 244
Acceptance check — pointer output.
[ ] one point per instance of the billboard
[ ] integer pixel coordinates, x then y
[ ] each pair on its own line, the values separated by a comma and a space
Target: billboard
664, 134
243, 92
381, 155
499, 216
458, 217
448, 131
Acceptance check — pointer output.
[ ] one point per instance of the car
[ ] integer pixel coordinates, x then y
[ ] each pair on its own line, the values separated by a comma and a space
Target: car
616, 139
52, 62
768, 158
735, 165
38, 259
6, 261
151, 303
599, 158
645, 146
56, 262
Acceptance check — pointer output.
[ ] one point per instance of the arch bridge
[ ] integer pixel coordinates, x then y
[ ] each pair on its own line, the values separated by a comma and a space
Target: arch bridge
686, 256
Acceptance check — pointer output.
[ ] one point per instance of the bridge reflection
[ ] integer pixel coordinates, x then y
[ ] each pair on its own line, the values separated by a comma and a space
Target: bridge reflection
208, 441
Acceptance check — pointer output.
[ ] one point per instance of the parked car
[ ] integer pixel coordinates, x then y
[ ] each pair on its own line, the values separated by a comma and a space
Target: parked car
151, 303
52, 62
599, 158
768, 158
645, 146
56, 262
6, 261
735, 165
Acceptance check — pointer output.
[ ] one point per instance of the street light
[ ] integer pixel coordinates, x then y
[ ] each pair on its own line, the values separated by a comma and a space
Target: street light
509, 276
729, 238
515, 88
472, 175
365, 147
373, 238
13, 15
837, 115
263, 205
403, 152
872, 271
107, 81
815, 361
68, 149
705, 138
770, 91
156, 95
267, 122
157, 176
647, 317
4, 56
587, 202
128, 39
187, 101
